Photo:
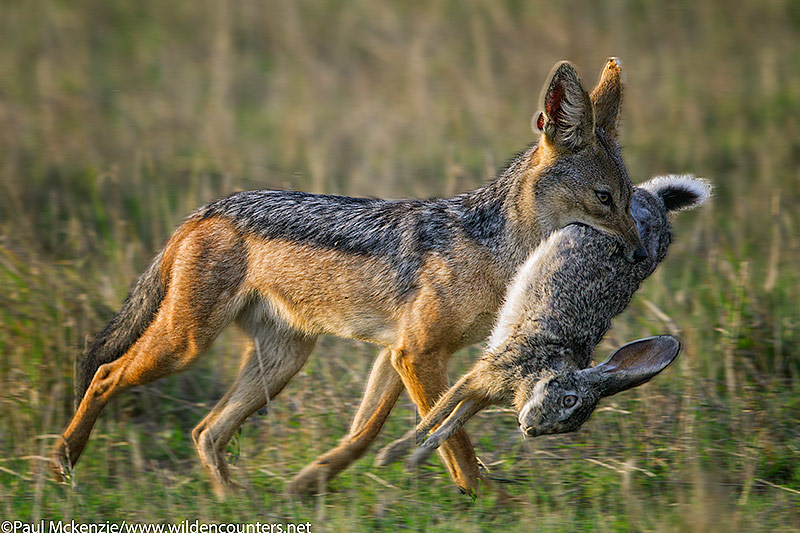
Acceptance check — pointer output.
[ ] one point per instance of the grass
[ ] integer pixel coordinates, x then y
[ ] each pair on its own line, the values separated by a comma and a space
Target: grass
120, 118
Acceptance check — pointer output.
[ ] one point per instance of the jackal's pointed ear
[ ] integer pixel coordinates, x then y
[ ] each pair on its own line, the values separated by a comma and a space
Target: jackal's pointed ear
607, 97
568, 119
633, 364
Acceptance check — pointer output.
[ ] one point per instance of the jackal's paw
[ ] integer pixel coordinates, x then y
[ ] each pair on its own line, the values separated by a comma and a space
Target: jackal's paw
310, 481
472, 493
482, 467
395, 450
223, 489
59, 468
58, 473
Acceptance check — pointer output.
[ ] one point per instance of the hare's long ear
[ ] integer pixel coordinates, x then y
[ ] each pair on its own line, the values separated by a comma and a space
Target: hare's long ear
633, 364
567, 121
607, 97
679, 192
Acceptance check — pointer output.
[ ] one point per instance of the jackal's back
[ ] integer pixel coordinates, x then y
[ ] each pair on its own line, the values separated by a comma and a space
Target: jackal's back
402, 232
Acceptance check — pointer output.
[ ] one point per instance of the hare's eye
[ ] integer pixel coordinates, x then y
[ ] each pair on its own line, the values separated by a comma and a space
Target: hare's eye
604, 197
570, 400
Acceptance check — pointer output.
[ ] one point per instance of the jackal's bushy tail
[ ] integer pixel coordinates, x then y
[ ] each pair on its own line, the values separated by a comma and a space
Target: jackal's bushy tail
130, 322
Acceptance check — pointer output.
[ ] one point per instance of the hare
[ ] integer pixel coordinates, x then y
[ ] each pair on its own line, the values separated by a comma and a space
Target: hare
557, 308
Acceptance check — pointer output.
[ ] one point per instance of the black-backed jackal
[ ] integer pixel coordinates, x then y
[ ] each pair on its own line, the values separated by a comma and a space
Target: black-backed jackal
421, 278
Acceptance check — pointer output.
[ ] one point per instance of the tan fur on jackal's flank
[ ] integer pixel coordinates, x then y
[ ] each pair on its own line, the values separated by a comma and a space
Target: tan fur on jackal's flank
350, 296
421, 278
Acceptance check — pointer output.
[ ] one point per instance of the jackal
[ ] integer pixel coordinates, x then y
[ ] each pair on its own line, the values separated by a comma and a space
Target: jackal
421, 278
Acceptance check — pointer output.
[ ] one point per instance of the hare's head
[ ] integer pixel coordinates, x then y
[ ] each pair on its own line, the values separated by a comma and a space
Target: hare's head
562, 401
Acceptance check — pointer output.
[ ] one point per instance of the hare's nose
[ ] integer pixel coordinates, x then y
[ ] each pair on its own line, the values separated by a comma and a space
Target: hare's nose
640, 254
529, 431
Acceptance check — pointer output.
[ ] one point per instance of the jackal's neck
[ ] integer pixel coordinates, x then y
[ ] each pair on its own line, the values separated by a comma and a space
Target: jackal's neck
501, 215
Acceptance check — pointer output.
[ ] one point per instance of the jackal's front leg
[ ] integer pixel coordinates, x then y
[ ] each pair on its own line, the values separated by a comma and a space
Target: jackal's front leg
383, 389
425, 377
401, 447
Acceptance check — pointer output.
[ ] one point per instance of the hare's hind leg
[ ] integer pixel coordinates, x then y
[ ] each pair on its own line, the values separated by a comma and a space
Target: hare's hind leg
278, 353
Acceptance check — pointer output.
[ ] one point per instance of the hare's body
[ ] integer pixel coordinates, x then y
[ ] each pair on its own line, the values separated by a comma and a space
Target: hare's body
558, 308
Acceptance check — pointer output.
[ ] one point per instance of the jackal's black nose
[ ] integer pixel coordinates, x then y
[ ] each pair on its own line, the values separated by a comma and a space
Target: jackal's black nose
640, 254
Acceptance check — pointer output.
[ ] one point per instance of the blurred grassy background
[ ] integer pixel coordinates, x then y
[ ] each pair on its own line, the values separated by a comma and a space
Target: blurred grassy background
118, 118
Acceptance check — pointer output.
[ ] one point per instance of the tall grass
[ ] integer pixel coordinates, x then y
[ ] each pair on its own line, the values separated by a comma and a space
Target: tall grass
119, 118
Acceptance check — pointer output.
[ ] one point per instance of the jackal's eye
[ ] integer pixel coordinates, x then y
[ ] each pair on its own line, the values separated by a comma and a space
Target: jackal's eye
570, 400
604, 197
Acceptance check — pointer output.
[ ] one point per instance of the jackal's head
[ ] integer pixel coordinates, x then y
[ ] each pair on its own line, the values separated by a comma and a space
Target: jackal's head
562, 401
577, 173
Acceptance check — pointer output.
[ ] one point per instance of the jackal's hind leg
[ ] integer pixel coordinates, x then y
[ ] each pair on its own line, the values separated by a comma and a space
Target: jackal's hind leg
383, 388
202, 269
162, 350
277, 355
